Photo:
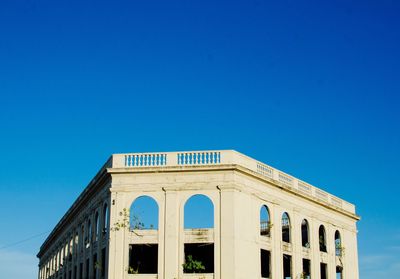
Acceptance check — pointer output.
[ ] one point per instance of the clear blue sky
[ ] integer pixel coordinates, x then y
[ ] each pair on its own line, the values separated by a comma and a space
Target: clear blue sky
309, 87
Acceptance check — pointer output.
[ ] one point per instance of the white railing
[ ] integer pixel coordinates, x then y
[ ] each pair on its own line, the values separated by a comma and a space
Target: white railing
225, 157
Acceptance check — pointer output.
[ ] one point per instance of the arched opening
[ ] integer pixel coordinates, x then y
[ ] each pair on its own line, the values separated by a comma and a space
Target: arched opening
144, 214
285, 228
71, 246
305, 236
81, 245
105, 220
198, 223
89, 236
76, 242
339, 272
199, 213
322, 238
96, 226
265, 222
338, 244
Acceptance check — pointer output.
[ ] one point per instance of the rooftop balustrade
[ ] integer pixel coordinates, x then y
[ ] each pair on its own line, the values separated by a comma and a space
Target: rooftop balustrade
225, 157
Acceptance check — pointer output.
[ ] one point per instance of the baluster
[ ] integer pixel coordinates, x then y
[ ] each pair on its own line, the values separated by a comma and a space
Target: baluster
126, 160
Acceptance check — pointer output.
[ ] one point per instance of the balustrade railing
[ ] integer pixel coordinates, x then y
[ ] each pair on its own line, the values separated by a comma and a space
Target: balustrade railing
224, 157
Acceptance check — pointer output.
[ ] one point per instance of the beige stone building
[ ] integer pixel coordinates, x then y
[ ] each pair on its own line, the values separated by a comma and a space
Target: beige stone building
132, 222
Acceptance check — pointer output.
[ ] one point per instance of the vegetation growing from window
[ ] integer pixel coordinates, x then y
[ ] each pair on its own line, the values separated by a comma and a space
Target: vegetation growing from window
192, 266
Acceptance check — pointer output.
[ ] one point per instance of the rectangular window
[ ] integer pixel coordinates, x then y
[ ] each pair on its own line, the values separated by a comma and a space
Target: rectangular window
265, 264
287, 266
199, 258
143, 259
80, 270
95, 266
324, 269
306, 269
87, 269
103, 262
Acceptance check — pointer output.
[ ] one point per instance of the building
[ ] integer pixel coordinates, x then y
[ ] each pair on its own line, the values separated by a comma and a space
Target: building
264, 223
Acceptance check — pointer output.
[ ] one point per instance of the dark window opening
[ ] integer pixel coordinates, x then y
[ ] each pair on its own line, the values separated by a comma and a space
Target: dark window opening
285, 228
80, 270
265, 263
69, 274
322, 239
305, 242
199, 258
103, 262
143, 259
95, 266
287, 267
324, 269
87, 269
339, 272
306, 269
75, 269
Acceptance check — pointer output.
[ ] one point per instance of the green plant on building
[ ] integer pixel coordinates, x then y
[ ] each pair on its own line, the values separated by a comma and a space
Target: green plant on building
192, 266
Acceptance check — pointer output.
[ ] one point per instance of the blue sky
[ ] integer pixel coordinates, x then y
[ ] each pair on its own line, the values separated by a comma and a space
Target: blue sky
309, 87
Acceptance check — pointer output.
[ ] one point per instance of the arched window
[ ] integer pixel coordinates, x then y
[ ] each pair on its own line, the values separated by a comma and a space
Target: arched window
96, 226
76, 242
89, 236
285, 227
105, 219
66, 250
322, 238
199, 212
305, 236
82, 242
143, 214
71, 245
198, 218
338, 244
265, 222
339, 272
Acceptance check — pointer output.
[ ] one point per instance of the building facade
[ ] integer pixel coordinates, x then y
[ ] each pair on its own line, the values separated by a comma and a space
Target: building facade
132, 221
